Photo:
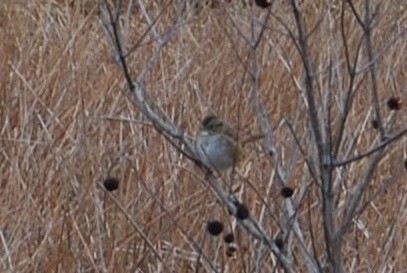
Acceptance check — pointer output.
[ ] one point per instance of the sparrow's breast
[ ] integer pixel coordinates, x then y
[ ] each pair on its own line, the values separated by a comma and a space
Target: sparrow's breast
216, 151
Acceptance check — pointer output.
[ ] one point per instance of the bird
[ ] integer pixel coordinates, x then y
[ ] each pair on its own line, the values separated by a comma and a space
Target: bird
216, 144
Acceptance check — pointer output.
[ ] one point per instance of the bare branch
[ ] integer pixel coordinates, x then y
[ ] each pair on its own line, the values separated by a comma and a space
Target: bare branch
388, 141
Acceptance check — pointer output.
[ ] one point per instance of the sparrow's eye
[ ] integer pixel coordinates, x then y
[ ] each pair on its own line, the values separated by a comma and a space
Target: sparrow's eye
218, 124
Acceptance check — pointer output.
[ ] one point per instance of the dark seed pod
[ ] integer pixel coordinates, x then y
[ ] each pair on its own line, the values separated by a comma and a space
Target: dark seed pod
229, 238
375, 124
242, 212
395, 103
214, 227
279, 242
111, 184
262, 3
287, 192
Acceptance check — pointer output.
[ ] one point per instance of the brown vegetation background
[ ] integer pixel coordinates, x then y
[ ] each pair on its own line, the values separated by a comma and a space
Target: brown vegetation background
67, 123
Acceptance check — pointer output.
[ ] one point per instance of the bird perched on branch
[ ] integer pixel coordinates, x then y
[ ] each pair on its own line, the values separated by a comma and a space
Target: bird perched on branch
216, 144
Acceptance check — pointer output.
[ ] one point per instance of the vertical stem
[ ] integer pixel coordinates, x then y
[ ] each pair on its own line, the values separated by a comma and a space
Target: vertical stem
333, 243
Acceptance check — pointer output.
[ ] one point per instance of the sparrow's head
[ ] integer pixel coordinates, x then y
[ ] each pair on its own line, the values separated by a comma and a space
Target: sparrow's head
214, 124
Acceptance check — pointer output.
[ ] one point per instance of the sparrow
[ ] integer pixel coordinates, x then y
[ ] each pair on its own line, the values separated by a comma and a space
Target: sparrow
216, 144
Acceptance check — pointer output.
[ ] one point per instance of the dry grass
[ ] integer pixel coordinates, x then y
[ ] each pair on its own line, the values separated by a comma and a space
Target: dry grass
64, 129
